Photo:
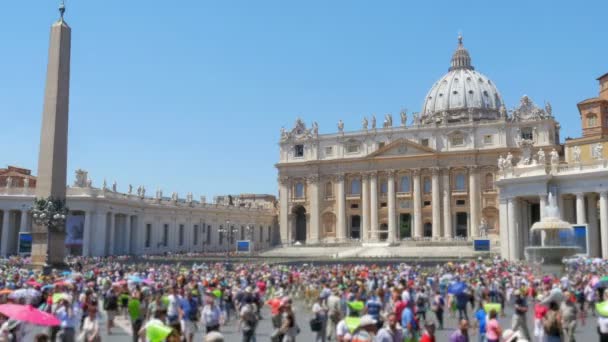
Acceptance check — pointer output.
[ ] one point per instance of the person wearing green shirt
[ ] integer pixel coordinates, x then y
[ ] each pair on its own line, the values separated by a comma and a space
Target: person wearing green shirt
135, 314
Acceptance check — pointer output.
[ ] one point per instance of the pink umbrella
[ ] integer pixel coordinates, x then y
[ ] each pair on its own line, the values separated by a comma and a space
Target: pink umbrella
28, 313
33, 283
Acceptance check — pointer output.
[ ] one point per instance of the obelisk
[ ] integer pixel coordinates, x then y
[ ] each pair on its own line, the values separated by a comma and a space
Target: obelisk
48, 245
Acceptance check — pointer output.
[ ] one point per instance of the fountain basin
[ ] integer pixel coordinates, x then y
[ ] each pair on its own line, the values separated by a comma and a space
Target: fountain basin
550, 254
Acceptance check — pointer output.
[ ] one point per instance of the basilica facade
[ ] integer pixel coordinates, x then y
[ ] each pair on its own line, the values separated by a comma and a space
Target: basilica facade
431, 177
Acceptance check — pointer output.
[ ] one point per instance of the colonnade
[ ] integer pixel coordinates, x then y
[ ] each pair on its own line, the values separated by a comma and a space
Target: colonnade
581, 208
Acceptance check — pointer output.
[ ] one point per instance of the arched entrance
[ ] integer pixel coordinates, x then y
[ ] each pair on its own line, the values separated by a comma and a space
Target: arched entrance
355, 227
300, 224
428, 229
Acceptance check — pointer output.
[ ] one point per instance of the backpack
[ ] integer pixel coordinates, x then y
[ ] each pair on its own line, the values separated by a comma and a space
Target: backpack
551, 324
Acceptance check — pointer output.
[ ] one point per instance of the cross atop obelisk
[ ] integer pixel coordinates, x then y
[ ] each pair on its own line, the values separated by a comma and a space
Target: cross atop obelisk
48, 245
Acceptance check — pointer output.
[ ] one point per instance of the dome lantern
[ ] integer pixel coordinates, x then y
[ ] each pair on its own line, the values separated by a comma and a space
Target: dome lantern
461, 58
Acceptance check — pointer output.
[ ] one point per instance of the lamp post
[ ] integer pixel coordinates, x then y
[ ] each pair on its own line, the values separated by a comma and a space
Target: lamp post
230, 230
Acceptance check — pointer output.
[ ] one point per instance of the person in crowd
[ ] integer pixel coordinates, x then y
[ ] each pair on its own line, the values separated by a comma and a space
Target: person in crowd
429, 332
480, 322
493, 328
461, 334
211, 315
189, 314
366, 331
519, 322
552, 323
110, 305
319, 311
391, 332
568, 314
334, 313
438, 307
91, 331
248, 320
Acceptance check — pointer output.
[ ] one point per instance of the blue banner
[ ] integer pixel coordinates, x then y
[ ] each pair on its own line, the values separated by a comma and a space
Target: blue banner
481, 245
243, 246
580, 238
25, 243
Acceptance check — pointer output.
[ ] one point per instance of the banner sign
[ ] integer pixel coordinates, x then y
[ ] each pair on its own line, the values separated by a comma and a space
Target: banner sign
243, 246
481, 245
74, 230
25, 243
580, 238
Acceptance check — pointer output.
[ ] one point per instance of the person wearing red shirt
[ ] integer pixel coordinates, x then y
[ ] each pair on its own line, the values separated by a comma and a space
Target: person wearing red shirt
429, 332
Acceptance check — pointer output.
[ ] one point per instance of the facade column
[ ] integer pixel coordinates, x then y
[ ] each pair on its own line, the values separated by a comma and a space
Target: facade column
128, 227
592, 229
111, 249
6, 218
436, 204
580, 209
392, 210
474, 201
513, 209
86, 236
285, 228
341, 219
504, 232
373, 194
417, 204
25, 218
447, 205
604, 223
314, 226
99, 235
365, 207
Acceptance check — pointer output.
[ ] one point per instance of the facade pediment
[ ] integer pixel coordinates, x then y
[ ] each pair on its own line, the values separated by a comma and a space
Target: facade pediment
402, 147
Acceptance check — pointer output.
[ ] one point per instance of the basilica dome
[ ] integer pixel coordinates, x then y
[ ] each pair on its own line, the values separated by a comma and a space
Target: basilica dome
462, 93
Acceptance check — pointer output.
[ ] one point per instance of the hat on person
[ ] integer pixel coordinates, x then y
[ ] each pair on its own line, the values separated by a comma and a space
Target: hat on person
510, 335
367, 320
516, 293
214, 336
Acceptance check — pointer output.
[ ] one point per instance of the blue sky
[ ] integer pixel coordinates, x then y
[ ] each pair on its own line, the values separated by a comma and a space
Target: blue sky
190, 95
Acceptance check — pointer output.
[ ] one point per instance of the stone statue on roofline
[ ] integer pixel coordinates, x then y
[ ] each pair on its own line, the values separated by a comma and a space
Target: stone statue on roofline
341, 126
373, 121
364, 123
576, 154
541, 156
403, 115
554, 157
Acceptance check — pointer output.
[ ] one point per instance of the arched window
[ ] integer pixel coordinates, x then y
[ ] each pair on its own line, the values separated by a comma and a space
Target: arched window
404, 185
591, 120
427, 185
329, 189
299, 190
489, 182
459, 182
355, 187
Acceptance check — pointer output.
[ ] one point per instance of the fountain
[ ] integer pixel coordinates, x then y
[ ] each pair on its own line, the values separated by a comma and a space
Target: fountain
556, 237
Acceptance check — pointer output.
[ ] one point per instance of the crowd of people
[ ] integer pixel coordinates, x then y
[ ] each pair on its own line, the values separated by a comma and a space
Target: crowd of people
347, 302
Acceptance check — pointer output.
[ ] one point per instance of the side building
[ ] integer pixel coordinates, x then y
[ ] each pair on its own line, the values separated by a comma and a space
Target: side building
579, 183
428, 178
104, 221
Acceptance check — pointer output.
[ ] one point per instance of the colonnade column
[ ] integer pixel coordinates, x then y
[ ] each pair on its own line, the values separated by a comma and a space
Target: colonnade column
6, 217
503, 216
592, 229
284, 210
127, 249
365, 207
447, 205
373, 205
86, 236
392, 210
580, 209
314, 225
112, 233
474, 199
341, 219
436, 204
513, 209
604, 223
417, 204
24, 224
